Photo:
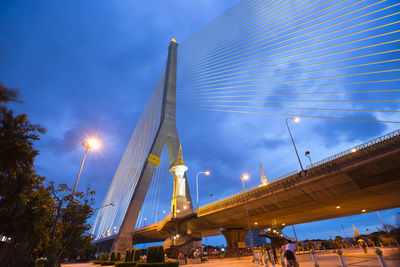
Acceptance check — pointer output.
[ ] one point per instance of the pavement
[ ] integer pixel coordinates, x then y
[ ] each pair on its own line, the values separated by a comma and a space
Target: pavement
353, 257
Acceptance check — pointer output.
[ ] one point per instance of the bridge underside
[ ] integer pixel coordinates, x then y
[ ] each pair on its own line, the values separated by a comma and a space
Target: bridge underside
370, 183
367, 180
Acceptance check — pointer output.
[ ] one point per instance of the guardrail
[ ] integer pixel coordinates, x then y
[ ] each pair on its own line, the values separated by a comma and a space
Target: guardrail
356, 148
250, 189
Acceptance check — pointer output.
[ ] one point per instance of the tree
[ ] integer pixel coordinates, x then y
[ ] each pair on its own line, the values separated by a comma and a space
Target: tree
38, 218
69, 223
24, 200
7, 95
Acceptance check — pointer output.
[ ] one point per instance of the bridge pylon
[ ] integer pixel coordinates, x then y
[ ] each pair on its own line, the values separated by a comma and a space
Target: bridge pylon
167, 134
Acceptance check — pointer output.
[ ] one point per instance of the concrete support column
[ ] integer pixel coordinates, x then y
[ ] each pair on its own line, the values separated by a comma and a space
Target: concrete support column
232, 237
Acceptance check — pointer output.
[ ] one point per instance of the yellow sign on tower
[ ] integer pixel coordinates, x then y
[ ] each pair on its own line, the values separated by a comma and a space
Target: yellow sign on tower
154, 159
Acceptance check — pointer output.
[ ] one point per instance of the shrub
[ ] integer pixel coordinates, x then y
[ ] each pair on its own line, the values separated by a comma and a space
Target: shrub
112, 256
159, 264
128, 255
150, 255
160, 254
136, 254
107, 263
125, 264
103, 257
155, 254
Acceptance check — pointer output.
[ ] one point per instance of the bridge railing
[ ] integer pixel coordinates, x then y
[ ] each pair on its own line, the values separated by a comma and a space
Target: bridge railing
369, 144
355, 149
283, 176
251, 188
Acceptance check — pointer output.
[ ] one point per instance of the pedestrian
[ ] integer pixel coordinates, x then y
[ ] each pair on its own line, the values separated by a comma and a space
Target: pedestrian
289, 253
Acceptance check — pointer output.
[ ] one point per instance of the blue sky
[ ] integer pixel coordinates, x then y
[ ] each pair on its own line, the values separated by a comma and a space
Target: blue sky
87, 68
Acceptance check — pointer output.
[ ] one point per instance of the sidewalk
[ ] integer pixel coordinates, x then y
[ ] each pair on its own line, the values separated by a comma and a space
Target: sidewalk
353, 257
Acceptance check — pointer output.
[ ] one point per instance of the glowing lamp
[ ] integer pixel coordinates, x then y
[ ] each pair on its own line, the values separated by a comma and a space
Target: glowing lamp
92, 143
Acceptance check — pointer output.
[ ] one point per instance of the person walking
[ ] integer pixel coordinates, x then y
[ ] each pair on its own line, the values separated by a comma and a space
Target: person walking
289, 253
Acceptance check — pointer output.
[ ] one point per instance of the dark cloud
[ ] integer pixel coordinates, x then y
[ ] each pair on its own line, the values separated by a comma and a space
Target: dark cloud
337, 131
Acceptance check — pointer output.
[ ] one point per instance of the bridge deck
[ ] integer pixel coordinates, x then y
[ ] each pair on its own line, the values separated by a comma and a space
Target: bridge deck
368, 178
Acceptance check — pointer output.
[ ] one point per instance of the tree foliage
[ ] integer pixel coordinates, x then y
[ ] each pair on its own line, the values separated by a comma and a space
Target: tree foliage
39, 218
24, 200
68, 227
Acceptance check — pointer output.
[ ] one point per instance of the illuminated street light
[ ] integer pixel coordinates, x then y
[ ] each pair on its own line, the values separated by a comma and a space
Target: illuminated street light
245, 177
197, 186
91, 143
291, 137
338, 206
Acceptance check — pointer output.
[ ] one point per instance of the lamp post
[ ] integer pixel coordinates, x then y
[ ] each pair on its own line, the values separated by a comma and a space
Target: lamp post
245, 177
197, 186
294, 231
291, 137
88, 144
307, 154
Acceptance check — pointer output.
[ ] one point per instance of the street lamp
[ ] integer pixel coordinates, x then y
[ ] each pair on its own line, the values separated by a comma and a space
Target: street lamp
245, 177
88, 144
197, 186
307, 154
291, 137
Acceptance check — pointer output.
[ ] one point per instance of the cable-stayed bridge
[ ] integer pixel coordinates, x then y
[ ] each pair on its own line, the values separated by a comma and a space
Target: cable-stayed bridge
328, 60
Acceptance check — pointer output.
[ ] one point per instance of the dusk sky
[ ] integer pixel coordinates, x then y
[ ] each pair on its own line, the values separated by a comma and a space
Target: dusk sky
87, 68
